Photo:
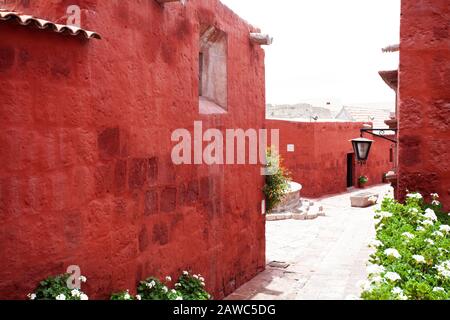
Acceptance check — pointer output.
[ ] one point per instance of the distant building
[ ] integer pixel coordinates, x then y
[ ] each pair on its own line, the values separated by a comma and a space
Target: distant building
364, 114
300, 111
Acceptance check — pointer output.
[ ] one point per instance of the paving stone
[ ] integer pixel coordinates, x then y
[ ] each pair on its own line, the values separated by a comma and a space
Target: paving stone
326, 257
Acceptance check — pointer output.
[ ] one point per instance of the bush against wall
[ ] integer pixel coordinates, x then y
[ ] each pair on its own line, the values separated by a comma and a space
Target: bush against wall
56, 288
412, 258
277, 181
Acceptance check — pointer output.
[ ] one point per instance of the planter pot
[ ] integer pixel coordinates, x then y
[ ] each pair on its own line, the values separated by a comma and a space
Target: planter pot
361, 185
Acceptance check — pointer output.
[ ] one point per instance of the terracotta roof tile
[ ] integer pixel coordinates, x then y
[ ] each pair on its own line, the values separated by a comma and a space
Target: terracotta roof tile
27, 20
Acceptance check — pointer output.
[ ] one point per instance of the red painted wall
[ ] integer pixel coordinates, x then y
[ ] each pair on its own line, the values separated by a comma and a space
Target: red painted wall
424, 98
319, 162
86, 176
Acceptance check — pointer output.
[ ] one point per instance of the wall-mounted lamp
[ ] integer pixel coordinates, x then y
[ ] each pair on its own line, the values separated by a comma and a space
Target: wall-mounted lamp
362, 146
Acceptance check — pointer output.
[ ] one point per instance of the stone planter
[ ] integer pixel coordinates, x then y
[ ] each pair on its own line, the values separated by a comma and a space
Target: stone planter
291, 200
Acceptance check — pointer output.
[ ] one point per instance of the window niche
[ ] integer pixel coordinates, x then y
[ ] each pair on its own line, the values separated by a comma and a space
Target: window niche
213, 95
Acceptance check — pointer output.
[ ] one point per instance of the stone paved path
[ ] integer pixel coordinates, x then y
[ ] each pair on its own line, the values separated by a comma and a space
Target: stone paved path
327, 256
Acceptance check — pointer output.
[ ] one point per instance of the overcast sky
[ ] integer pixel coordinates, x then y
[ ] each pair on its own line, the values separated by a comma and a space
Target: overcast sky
326, 50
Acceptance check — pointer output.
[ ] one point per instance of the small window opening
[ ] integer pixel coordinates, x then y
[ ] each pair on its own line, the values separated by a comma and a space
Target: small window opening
213, 69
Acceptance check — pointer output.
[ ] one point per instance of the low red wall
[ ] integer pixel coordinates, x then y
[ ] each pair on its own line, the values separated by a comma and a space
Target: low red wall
86, 176
319, 161
424, 99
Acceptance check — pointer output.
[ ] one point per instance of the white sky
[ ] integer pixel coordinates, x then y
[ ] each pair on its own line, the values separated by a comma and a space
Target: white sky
326, 50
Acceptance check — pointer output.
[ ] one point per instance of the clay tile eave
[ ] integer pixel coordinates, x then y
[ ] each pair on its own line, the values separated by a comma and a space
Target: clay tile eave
28, 20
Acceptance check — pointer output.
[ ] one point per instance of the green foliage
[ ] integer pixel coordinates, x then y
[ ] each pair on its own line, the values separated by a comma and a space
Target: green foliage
412, 258
192, 287
124, 295
277, 182
56, 288
153, 289
363, 180
188, 287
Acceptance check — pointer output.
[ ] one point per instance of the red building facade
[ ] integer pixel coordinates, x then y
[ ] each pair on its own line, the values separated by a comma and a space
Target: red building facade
323, 157
424, 99
86, 174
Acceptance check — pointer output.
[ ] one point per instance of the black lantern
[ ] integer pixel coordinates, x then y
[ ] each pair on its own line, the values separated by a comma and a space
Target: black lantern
362, 146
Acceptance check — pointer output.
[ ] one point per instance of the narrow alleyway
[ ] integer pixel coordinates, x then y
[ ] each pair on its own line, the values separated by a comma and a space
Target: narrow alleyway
327, 257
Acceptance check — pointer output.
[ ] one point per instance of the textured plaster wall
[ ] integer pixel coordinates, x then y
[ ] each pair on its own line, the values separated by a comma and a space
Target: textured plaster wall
424, 98
86, 176
319, 161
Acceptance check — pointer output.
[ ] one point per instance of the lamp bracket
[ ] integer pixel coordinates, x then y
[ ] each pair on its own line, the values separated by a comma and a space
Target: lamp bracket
380, 134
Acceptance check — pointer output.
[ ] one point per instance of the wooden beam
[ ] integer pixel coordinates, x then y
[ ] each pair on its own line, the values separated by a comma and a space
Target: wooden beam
261, 39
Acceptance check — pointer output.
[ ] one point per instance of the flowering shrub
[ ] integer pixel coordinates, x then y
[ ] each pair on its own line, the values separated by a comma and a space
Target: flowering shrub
153, 289
188, 287
55, 288
277, 182
125, 295
192, 287
412, 258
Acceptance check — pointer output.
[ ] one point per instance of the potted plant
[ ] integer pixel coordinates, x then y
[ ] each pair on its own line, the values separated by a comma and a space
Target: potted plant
362, 181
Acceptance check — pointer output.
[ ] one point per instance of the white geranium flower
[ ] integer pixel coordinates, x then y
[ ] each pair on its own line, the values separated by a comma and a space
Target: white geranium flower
444, 228
427, 223
138, 297
195, 276
201, 279
397, 291
419, 258
375, 269
435, 203
435, 196
75, 293
429, 241
413, 211
444, 269
173, 291
376, 279
438, 289
177, 285
438, 234
408, 235
168, 279
414, 196
179, 298
375, 244
127, 296
430, 215
392, 253
32, 296
420, 228
84, 297
61, 297
185, 273
202, 284
164, 289
385, 214
83, 279
392, 276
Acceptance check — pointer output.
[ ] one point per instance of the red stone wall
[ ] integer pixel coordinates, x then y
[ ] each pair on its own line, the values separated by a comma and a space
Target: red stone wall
319, 162
424, 98
86, 176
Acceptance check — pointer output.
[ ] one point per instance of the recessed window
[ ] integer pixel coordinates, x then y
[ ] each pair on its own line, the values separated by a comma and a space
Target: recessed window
213, 70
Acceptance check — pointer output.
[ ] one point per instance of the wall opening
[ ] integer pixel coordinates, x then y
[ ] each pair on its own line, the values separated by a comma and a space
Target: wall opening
350, 170
213, 71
